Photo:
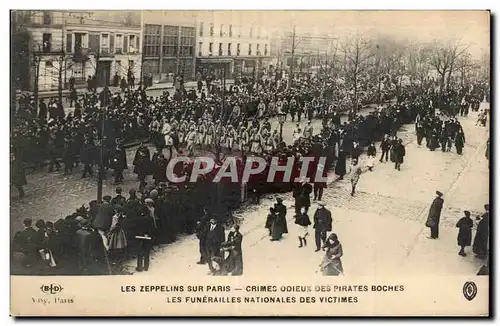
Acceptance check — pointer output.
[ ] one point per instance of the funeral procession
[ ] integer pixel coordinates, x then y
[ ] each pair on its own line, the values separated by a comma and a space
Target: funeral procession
226, 143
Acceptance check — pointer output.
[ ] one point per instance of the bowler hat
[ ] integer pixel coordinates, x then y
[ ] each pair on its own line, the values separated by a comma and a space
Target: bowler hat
439, 193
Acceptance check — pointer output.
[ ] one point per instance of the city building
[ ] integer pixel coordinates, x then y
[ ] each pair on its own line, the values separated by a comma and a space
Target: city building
232, 42
64, 44
169, 44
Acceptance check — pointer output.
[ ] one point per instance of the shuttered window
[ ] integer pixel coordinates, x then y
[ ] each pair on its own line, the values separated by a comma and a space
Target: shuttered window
69, 43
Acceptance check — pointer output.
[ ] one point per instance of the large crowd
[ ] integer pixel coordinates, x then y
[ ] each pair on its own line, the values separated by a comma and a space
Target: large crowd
234, 121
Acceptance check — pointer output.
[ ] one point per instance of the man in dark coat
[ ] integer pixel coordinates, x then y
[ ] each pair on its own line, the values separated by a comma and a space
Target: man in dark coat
119, 163
201, 233
104, 218
17, 175
480, 246
464, 238
399, 154
279, 226
144, 229
385, 145
88, 244
142, 162
435, 215
214, 240
118, 200
87, 156
25, 242
322, 225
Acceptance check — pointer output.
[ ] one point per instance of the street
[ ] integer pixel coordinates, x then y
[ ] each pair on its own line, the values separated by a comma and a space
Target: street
381, 228
51, 196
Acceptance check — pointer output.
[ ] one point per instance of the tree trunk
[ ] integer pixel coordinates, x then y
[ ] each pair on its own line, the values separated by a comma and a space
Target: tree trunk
441, 87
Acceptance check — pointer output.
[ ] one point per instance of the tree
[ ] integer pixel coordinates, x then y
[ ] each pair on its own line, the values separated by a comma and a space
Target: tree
464, 66
21, 49
357, 53
443, 60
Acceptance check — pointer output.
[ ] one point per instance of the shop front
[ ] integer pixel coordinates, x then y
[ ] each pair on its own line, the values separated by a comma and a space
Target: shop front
215, 66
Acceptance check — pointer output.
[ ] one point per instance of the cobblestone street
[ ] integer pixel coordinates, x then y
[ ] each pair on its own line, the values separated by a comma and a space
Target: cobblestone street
51, 196
381, 228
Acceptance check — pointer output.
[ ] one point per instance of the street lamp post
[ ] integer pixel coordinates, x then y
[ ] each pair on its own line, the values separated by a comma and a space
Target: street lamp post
281, 120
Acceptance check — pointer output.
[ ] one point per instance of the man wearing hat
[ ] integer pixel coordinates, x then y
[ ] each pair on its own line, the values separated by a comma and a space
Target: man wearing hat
215, 236
104, 219
144, 234
435, 215
322, 224
118, 200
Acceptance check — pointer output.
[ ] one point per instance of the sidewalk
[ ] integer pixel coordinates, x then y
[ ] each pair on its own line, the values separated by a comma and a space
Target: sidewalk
113, 89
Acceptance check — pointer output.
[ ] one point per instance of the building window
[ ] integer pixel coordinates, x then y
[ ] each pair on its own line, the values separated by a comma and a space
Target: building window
250, 34
119, 44
78, 69
221, 31
170, 41
210, 48
47, 18
230, 30
200, 49
47, 42
211, 29
238, 49
249, 49
152, 38
258, 49
265, 49
131, 44
229, 49
188, 41
220, 49
104, 43
69, 43
201, 28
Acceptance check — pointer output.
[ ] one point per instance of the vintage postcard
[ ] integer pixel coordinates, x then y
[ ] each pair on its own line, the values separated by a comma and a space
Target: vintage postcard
250, 163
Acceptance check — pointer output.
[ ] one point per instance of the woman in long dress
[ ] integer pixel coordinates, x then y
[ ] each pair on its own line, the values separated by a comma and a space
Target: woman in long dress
464, 238
340, 166
332, 265
117, 240
235, 258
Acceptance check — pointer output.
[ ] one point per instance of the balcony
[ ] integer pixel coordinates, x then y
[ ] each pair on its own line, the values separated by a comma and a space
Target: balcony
118, 51
105, 52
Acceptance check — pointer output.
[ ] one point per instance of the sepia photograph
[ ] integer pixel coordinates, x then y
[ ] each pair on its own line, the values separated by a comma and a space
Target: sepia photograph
313, 159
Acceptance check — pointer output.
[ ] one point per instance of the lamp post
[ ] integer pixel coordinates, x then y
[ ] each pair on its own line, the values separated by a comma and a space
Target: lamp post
281, 120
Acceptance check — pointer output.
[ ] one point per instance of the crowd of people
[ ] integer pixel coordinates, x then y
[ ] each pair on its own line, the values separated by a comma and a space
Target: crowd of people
235, 121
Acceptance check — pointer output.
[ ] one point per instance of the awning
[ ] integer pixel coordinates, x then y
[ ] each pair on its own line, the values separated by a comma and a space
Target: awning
216, 60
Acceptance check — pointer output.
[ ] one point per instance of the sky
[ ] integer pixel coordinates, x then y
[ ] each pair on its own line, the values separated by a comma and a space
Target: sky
470, 27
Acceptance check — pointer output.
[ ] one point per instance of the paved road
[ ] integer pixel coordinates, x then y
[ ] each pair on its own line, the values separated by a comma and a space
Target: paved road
381, 228
51, 196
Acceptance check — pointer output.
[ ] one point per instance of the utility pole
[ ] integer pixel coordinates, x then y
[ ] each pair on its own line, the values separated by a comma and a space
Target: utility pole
141, 78
290, 77
62, 59
36, 61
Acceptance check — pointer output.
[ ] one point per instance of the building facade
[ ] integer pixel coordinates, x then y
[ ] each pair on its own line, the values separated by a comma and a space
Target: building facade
169, 44
79, 44
234, 43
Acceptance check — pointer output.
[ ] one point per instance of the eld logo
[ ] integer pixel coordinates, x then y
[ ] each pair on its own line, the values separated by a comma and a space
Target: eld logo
51, 289
470, 290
